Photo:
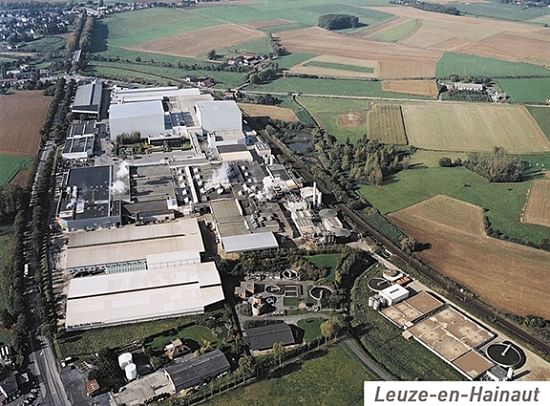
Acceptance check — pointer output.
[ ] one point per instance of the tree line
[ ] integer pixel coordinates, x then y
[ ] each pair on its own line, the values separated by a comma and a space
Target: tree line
337, 21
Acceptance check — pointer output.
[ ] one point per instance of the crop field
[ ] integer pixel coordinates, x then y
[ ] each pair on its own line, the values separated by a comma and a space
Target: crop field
535, 90
198, 43
496, 9
310, 381
22, 115
537, 210
385, 124
473, 127
471, 65
11, 165
267, 23
397, 32
504, 201
542, 116
509, 276
418, 87
396, 61
338, 67
262, 110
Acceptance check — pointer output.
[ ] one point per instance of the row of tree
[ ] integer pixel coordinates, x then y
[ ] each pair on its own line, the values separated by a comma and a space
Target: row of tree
12, 199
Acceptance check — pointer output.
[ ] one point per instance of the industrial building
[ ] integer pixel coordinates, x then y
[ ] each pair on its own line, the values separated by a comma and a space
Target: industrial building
132, 248
146, 117
196, 370
87, 201
88, 99
262, 338
218, 116
128, 297
80, 142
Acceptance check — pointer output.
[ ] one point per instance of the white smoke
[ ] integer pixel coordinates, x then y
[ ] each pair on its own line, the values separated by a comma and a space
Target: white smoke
120, 185
219, 177
267, 191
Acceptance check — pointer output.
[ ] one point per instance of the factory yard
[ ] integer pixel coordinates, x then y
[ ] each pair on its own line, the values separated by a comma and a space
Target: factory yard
537, 210
262, 110
199, 42
509, 276
473, 127
22, 115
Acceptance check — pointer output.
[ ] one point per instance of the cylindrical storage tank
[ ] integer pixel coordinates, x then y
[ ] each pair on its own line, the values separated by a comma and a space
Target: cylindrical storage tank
371, 301
256, 309
131, 371
376, 305
124, 359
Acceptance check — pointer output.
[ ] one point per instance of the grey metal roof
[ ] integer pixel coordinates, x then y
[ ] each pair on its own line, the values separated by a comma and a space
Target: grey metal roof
224, 149
9, 385
137, 109
263, 338
197, 370
88, 97
249, 242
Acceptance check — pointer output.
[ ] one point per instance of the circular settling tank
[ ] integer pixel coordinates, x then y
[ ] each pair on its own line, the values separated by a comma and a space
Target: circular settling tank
378, 284
320, 292
505, 354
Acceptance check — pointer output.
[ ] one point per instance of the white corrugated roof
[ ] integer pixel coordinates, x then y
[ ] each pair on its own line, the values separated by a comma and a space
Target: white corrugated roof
137, 109
142, 295
249, 242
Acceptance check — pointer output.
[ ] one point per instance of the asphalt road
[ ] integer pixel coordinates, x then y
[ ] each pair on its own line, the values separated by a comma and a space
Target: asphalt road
53, 387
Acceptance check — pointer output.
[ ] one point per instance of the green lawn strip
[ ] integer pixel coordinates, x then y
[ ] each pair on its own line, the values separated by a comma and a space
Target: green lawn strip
44, 45
330, 65
503, 201
333, 378
334, 105
341, 87
541, 161
431, 159
90, 341
542, 117
498, 10
469, 65
295, 58
406, 359
259, 46
10, 165
397, 33
311, 327
6, 247
536, 90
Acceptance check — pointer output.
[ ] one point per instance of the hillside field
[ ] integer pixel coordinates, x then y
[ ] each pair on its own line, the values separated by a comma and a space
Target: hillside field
533, 90
473, 127
504, 201
500, 272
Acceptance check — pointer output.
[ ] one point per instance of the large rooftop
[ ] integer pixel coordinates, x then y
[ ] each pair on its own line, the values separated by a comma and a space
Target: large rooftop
263, 338
88, 98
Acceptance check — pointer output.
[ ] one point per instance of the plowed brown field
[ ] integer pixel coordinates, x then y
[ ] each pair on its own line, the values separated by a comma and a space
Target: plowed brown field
511, 277
537, 210
419, 87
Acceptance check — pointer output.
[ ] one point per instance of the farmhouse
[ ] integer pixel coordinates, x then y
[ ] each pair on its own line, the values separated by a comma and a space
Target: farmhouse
473, 87
88, 99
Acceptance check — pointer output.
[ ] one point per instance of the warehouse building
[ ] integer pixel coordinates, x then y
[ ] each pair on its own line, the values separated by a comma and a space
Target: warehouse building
150, 94
146, 117
262, 338
88, 99
197, 370
133, 248
129, 297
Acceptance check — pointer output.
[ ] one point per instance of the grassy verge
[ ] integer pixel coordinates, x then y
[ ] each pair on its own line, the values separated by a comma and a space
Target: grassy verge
311, 327
405, 359
503, 201
328, 378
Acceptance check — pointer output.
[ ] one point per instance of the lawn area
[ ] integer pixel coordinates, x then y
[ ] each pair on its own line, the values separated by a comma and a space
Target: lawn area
195, 333
430, 159
311, 327
317, 104
90, 341
503, 201
340, 66
542, 117
332, 123
538, 161
326, 261
526, 90
10, 165
464, 65
397, 33
341, 87
406, 359
333, 378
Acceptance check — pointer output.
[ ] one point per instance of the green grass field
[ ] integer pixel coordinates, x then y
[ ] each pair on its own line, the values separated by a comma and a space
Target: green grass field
406, 359
317, 104
339, 66
10, 165
397, 33
6, 246
498, 10
470, 65
503, 201
311, 328
90, 341
340, 87
542, 117
333, 378
195, 333
326, 261
430, 159
44, 45
331, 122
526, 90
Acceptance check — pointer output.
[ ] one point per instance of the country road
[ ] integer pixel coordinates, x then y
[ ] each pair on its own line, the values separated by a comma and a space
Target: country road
367, 360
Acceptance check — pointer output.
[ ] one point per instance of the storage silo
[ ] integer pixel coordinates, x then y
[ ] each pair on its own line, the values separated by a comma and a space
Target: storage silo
131, 371
124, 359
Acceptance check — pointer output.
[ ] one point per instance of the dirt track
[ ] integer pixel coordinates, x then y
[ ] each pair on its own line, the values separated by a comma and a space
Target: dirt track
511, 277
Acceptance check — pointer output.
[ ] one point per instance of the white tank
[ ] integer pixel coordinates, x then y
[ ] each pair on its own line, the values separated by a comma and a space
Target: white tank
131, 371
124, 359
376, 305
371, 301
